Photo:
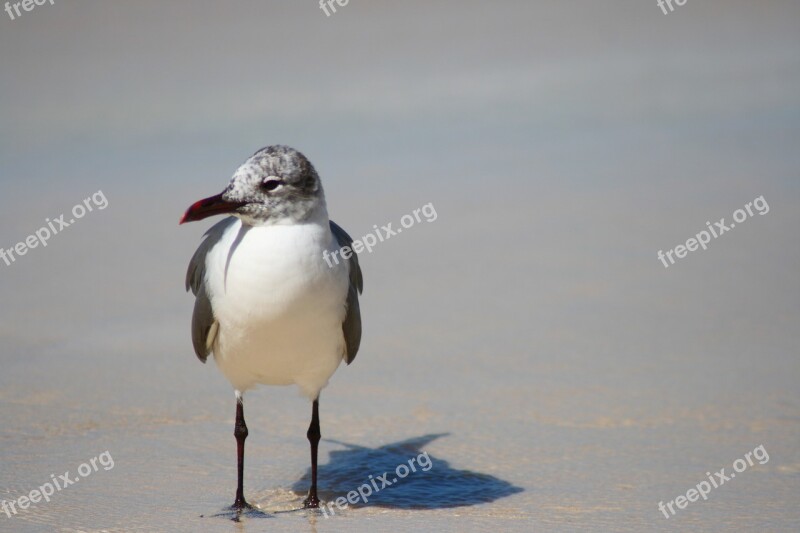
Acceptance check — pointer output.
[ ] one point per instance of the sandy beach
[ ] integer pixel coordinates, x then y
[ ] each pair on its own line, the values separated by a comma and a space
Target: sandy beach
527, 343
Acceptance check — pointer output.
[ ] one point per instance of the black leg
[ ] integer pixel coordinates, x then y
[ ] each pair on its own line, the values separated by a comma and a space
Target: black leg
240, 432
313, 437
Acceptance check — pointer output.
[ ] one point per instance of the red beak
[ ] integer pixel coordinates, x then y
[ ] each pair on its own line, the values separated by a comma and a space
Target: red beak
213, 205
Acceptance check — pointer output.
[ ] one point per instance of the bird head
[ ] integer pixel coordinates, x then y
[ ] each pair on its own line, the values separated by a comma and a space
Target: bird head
277, 185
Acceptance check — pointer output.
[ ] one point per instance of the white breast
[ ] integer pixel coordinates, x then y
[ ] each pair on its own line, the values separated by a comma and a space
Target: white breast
279, 305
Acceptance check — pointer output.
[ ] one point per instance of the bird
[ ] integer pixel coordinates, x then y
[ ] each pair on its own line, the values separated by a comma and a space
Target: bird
267, 307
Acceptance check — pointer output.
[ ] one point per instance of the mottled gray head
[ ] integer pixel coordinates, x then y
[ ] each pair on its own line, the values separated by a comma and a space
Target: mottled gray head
277, 185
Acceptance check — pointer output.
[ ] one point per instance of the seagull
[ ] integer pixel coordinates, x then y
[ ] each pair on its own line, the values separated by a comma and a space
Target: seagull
267, 306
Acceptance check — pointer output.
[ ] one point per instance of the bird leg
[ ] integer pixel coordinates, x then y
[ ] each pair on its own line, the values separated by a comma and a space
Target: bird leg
240, 432
312, 501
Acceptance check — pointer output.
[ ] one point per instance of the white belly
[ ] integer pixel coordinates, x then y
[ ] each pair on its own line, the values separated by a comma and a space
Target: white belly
279, 306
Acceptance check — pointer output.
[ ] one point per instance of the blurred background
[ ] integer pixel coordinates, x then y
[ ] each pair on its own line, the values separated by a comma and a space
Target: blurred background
528, 339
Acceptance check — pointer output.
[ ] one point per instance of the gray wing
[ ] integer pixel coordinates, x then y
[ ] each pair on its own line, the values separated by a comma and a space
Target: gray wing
204, 325
352, 320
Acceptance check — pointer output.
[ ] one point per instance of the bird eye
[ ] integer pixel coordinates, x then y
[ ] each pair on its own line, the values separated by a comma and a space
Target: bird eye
271, 185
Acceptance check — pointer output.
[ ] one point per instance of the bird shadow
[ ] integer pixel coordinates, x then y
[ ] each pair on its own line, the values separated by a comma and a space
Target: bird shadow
434, 485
